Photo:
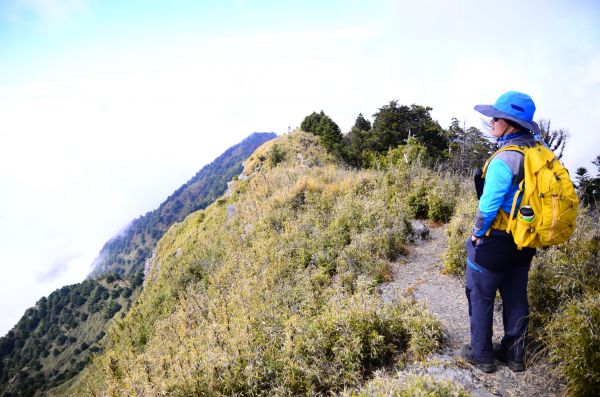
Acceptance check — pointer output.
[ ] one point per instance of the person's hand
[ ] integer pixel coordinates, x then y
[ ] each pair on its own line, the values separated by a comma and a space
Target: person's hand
475, 239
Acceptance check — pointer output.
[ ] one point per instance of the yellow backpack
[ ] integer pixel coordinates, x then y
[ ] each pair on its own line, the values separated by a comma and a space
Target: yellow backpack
548, 190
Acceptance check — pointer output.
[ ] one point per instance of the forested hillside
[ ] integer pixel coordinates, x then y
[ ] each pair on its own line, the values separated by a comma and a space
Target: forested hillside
54, 339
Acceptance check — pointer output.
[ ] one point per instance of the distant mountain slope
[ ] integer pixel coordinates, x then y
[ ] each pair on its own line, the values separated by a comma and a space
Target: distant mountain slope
126, 253
53, 341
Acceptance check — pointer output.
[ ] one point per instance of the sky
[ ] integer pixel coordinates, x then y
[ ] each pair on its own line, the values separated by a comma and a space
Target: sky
107, 106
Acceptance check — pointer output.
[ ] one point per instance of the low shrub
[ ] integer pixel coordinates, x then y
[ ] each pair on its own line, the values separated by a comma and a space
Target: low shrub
565, 272
564, 296
573, 337
440, 204
459, 229
426, 194
410, 386
356, 335
275, 155
417, 203
412, 152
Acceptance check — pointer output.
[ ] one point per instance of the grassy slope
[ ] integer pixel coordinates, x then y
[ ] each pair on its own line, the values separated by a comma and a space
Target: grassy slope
271, 290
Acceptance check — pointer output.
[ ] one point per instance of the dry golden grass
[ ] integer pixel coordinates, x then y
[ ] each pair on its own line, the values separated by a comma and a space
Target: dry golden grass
272, 289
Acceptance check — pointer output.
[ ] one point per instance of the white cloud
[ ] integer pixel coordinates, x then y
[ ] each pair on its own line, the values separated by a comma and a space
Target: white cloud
51, 12
299, 37
592, 75
57, 269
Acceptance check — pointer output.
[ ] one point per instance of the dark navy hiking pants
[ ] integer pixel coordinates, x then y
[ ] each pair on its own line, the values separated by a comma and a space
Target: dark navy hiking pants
496, 264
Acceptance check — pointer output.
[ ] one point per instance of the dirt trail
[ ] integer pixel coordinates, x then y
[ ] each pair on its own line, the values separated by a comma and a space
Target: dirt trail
418, 275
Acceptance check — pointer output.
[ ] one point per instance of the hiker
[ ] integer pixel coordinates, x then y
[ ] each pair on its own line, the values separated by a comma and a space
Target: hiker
493, 260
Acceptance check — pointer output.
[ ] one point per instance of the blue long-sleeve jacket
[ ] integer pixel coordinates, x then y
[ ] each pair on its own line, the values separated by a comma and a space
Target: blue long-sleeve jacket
502, 179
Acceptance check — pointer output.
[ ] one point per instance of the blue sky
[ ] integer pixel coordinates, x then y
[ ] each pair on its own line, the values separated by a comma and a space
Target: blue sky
107, 107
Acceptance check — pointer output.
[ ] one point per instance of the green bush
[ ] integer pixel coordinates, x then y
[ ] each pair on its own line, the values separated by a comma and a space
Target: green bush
417, 203
275, 155
459, 229
412, 152
111, 309
355, 335
574, 344
564, 296
430, 195
440, 207
566, 272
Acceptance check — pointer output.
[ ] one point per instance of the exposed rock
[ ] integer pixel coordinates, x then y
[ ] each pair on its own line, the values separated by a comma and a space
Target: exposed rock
301, 160
231, 211
151, 265
418, 231
482, 393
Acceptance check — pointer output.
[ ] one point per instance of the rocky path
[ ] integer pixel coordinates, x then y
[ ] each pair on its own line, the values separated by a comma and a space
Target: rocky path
419, 276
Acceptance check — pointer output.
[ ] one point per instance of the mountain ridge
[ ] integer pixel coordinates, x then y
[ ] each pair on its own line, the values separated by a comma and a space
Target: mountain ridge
270, 288
142, 233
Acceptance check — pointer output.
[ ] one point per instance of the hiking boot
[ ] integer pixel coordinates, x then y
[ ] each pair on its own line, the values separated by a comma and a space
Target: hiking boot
501, 355
467, 355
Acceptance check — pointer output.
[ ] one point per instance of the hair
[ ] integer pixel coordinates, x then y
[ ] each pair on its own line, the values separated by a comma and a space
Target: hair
514, 124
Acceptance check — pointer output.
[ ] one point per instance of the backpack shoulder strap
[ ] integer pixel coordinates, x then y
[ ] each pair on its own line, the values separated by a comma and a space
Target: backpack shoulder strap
513, 148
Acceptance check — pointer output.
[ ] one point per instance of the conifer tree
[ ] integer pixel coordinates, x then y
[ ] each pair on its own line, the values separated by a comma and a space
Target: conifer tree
393, 124
390, 127
353, 145
330, 133
588, 187
468, 148
361, 123
354, 142
555, 139
311, 122
322, 125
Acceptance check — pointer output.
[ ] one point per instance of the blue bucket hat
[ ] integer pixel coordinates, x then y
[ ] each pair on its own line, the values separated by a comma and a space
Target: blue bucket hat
514, 106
